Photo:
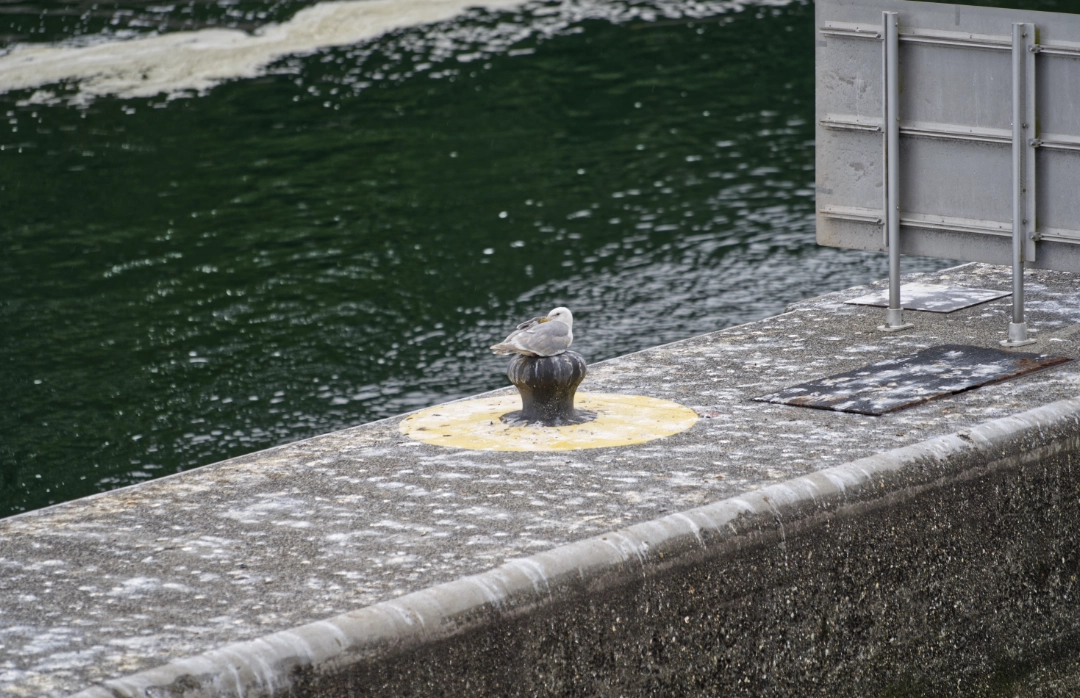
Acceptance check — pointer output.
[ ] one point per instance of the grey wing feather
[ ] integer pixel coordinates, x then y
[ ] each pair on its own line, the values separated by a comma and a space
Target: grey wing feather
549, 338
553, 329
537, 338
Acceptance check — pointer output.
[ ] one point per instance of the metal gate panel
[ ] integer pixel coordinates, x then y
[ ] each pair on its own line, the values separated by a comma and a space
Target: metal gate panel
957, 168
858, 181
933, 76
853, 85
954, 180
1059, 114
1059, 195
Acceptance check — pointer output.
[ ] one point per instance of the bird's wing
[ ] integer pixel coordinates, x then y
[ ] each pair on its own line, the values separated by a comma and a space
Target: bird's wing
553, 328
546, 339
519, 338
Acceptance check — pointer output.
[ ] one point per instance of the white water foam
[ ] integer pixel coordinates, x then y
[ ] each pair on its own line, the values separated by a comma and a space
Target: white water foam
182, 62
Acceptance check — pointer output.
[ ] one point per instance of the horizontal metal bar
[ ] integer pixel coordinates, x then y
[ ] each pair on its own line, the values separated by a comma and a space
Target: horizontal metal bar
956, 133
853, 213
1058, 49
851, 123
967, 40
1063, 255
921, 129
954, 224
873, 216
958, 39
943, 38
860, 214
855, 31
953, 132
1060, 235
1055, 141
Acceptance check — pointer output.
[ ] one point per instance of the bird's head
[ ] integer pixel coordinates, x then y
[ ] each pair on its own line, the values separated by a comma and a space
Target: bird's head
561, 314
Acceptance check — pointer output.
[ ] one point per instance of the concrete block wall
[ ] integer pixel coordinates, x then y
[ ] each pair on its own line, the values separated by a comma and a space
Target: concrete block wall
949, 567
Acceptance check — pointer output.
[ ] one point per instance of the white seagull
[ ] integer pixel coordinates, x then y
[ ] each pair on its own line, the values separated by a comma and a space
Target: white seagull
541, 336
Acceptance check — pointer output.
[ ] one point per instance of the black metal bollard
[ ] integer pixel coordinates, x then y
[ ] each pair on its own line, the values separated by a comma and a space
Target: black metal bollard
547, 385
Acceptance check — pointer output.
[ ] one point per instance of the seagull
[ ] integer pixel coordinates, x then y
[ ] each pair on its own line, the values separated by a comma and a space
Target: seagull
541, 336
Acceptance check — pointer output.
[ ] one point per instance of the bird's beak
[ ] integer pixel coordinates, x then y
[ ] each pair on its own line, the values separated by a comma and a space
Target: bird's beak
544, 319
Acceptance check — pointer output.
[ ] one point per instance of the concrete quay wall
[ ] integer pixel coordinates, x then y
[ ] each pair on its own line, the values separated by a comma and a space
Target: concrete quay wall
761, 550
949, 567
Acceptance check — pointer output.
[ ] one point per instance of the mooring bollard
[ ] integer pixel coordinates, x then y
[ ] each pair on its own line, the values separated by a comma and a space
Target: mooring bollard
547, 385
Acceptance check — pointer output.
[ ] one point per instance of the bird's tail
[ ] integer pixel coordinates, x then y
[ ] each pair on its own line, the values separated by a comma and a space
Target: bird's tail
502, 348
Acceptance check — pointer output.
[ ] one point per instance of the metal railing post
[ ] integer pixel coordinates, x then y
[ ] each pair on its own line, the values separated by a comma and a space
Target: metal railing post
1023, 125
894, 315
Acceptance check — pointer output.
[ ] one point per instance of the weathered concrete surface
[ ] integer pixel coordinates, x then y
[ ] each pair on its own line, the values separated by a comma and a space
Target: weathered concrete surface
124, 582
935, 569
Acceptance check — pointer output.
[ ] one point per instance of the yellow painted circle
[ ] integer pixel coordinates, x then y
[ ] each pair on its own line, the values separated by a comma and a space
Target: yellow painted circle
621, 420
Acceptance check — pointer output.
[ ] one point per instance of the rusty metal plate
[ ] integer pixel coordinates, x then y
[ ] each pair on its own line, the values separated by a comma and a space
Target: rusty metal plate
894, 384
932, 297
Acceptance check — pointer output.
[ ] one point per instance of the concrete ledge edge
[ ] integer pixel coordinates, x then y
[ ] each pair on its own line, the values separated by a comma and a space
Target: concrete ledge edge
267, 665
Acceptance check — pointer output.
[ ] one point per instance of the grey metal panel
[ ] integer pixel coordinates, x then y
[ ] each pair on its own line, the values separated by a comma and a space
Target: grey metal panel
1053, 27
851, 84
974, 247
834, 232
946, 244
1058, 174
855, 176
1058, 94
955, 131
950, 85
960, 179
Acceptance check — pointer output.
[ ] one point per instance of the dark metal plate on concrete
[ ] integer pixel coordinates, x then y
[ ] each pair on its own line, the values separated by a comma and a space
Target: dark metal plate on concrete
932, 297
909, 380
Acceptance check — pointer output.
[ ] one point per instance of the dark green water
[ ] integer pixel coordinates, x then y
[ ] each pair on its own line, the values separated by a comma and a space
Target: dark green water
184, 281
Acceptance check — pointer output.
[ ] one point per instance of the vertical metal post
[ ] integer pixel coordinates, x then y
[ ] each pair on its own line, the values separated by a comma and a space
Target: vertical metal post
1023, 124
1030, 140
894, 315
